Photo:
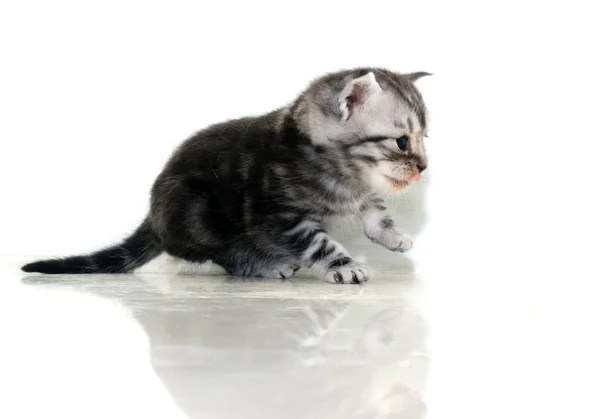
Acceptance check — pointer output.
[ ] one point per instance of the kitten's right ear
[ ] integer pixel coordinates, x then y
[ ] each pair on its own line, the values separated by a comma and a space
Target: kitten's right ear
416, 76
357, 93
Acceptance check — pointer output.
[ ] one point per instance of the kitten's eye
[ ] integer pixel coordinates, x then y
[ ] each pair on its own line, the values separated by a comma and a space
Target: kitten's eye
402, 142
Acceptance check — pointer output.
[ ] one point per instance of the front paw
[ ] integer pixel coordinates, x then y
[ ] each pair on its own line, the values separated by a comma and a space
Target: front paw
354, 273
401, 243
394, 241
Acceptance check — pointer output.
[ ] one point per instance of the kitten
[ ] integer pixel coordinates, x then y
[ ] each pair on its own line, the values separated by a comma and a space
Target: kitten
253, 195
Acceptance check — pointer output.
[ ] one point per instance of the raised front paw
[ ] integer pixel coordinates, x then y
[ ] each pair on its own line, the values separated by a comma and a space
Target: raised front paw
401, 243
352, 273
393, 240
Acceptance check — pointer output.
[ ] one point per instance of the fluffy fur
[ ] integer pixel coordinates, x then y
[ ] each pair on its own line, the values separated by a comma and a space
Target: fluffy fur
254, 195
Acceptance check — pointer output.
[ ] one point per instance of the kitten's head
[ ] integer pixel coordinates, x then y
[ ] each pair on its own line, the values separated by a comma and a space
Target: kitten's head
375, 118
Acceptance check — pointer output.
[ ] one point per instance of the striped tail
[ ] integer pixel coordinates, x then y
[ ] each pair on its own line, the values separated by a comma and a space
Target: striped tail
141, 247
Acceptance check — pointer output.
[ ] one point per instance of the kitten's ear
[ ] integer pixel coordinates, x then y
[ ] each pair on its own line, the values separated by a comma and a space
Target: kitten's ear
416, 76
357, 93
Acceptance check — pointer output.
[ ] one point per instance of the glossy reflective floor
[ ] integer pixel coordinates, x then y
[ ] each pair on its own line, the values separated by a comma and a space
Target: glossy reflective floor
225, 348
429, 336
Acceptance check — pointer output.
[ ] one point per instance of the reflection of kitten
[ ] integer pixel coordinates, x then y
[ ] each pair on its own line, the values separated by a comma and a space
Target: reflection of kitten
253, 195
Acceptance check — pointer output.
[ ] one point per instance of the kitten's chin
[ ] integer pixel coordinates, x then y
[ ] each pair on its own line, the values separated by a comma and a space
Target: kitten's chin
385, 184
398, 189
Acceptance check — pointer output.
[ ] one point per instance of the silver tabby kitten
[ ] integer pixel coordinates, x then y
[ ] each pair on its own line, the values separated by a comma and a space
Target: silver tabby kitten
254, 195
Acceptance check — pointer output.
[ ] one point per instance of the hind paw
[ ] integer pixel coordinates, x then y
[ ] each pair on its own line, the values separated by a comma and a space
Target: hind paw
282, 271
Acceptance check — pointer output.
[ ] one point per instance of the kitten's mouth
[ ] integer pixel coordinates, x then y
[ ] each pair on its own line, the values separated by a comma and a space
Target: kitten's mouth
397, 184
400, 184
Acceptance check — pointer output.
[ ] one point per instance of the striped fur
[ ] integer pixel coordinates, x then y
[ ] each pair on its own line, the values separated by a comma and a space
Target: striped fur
253, 194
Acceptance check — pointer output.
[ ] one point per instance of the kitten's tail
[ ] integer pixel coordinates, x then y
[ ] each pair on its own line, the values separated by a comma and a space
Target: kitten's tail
141, 247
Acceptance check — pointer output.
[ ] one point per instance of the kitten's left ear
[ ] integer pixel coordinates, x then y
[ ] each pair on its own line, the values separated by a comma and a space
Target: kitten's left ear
416, 76
357, 93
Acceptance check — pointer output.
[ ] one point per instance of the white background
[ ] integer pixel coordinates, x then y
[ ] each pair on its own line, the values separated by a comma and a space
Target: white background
95, 96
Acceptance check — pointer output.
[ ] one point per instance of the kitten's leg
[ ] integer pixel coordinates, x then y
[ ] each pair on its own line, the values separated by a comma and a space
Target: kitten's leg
263, 269
278, 270
250, 262
318, 251
379, 227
